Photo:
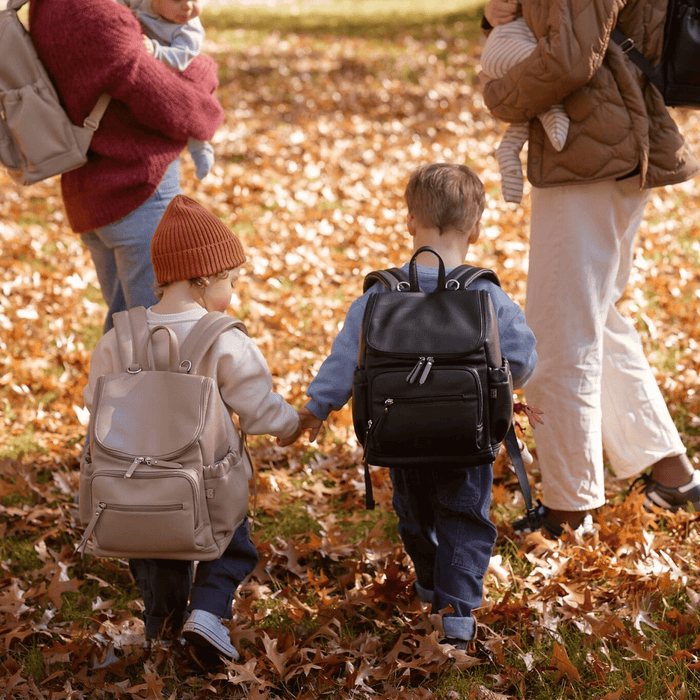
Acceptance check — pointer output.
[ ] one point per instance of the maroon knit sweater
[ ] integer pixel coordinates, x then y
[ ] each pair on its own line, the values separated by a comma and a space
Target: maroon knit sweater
95, 46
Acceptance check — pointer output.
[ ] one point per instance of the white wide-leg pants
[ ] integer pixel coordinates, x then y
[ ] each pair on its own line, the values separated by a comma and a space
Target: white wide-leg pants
592, 381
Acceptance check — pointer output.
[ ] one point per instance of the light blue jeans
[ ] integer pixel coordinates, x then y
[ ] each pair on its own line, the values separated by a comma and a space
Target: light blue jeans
121, 251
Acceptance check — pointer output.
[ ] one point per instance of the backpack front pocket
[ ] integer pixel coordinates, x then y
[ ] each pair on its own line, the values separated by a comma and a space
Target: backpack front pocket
129, 521
441, 419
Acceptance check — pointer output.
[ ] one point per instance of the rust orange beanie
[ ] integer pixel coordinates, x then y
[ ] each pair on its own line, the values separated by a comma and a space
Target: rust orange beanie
191, 242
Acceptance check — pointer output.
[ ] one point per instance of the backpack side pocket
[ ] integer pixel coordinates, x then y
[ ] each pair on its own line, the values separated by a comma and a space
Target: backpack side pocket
500, 401
226, 495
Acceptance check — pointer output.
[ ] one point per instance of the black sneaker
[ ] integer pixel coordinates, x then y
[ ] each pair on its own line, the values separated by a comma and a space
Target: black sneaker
538, 519
671, 498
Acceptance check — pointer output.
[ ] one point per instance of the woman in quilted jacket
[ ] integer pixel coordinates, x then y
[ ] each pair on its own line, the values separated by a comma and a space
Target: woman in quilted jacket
592, 382
117, 198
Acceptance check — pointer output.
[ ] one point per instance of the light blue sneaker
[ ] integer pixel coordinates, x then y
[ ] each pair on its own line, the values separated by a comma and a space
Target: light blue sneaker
206, 631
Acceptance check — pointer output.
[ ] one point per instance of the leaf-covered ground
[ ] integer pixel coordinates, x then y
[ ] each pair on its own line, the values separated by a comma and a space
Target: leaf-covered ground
322, 129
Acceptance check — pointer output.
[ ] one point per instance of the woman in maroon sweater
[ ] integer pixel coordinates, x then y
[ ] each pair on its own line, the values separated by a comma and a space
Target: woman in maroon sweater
116, 199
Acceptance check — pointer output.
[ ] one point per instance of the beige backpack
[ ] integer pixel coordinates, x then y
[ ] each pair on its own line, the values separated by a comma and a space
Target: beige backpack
159, 479
37, 138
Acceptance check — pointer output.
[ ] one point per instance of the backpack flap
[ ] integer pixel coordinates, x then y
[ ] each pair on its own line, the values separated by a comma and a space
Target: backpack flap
411, 323
131, 416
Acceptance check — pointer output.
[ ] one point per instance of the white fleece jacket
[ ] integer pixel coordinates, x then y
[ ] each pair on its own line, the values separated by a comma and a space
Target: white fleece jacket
240, 370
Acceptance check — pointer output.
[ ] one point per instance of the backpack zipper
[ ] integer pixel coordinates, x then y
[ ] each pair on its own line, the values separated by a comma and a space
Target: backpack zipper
102, 506
151, 462
161, 475
416, 369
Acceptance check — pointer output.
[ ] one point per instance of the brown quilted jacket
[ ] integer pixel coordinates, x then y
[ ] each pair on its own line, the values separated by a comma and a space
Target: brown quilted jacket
618, 120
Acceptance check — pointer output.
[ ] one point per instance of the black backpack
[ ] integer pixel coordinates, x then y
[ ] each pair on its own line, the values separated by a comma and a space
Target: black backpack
430, 387
677, 76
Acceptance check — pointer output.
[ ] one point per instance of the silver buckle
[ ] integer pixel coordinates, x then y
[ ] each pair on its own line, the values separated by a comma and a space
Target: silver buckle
627, 45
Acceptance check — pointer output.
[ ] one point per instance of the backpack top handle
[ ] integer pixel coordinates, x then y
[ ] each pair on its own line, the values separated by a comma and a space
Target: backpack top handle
413, 269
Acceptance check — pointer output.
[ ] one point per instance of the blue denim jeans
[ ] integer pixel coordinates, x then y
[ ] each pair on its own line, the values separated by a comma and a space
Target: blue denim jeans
446, 530
168, 591
121, 252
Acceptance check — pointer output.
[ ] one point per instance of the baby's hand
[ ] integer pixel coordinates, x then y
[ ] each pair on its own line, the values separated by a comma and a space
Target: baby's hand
148, 44
501, 11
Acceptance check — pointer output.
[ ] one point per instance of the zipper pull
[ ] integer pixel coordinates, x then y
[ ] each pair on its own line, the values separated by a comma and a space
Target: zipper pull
132, 468
426, 371
80, 547
367, 436
413, 374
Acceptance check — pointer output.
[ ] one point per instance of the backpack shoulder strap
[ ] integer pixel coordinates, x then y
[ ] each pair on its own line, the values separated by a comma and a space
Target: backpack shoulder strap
389, 278
15, 4
203, 336
466, 274
131, 328
636, 56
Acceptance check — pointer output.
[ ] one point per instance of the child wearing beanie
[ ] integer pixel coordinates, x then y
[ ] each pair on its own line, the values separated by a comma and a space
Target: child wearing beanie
196, 260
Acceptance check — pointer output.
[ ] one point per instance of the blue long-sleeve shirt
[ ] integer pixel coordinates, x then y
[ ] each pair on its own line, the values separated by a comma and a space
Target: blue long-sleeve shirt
332, 387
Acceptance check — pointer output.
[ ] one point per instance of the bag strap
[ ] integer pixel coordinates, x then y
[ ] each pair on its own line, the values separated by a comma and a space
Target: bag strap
203, 336
393, 277
15, 4
131, 328
196, 345
390, 278
464, 275
516, 460
92, 121
632, 52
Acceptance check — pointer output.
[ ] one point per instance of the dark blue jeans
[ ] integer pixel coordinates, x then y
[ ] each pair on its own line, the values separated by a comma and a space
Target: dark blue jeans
167, 588
446, 530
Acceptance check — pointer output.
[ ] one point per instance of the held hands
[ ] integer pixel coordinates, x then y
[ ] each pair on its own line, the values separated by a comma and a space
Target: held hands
501, 11
307, 421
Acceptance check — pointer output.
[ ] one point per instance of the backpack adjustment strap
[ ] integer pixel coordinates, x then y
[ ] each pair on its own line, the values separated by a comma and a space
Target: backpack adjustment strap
92, 121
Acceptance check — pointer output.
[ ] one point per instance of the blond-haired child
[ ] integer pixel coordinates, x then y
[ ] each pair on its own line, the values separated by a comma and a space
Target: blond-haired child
443, 512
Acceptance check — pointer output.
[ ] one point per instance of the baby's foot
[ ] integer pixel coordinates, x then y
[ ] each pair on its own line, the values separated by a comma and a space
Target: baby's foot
203, 159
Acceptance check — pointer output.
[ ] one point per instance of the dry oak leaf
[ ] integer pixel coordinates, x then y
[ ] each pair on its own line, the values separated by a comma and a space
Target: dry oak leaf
58, 587
560, 660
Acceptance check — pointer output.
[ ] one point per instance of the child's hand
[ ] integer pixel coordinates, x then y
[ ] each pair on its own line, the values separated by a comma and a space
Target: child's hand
307, 421
149, 45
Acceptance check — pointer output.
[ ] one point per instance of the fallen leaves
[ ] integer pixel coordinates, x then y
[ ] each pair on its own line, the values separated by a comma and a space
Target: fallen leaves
320, 135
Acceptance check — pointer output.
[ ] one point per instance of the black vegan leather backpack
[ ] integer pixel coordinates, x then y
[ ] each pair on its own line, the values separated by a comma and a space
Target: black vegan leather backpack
431, 387
677, 75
